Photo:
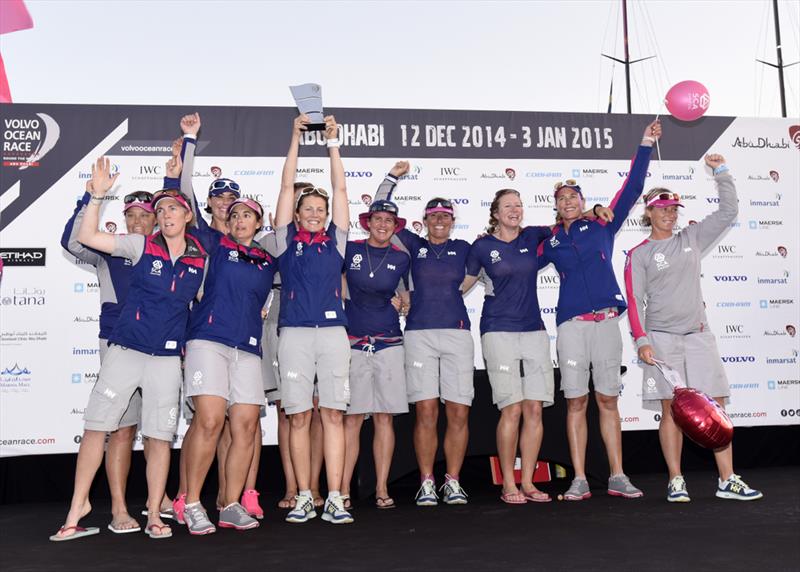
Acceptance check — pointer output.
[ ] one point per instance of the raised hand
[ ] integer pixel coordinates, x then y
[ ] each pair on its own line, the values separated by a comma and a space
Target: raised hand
190, 124
174, 166
714, 160
102, 180
176, 146
300, 123
653, 130
400, 168
331, 128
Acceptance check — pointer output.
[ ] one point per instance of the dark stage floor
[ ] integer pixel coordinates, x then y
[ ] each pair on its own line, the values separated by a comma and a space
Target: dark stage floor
602, 533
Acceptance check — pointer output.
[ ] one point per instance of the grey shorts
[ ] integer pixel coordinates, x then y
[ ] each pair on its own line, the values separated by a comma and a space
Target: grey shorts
269, 363
216, 369
122, 372
694, 356
440, 363
503, 352
133, 414
378, 381
305, 352
581, 344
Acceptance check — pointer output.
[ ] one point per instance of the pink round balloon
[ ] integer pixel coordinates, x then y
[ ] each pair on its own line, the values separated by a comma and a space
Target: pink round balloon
701, 418
687, 100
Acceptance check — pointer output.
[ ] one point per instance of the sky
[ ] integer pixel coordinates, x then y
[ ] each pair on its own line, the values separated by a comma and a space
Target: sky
531, 56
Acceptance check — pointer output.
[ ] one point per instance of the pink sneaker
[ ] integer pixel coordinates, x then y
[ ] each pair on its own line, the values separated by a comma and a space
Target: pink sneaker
177, 507
250, 504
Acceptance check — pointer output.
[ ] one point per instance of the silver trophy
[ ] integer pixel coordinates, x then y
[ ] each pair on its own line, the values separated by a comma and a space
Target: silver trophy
308, 98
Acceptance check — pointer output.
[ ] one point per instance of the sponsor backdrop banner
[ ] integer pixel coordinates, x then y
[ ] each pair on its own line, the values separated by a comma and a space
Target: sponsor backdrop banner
49, 302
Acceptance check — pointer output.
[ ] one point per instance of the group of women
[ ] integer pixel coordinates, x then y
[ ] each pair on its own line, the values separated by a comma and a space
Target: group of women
314, 319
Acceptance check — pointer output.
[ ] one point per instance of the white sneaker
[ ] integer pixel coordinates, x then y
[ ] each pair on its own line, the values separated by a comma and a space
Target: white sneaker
303, 510
334, 511
676, 490
426, 495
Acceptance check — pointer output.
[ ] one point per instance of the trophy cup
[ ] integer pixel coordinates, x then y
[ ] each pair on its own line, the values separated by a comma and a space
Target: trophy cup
308, 98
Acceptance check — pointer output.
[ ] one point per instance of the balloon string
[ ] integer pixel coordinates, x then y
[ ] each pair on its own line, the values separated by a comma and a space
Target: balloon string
658, 151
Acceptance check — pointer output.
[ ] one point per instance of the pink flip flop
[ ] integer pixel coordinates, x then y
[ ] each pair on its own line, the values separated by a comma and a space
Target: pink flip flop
537, 496
513, 498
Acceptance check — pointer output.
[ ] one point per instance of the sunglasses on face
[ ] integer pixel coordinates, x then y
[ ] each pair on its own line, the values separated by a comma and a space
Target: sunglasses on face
220, 184
138, 197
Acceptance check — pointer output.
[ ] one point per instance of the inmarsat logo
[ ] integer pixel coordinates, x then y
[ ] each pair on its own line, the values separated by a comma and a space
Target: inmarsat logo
26, 140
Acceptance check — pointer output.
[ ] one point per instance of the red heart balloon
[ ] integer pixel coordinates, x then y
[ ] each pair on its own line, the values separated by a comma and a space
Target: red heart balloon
701, 418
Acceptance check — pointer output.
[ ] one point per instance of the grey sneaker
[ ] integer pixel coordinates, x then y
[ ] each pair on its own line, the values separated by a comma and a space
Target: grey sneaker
197, 520
235, 516
426, 495
578, 490
676, 490
620, 486
452, 493
334, 511
303, 509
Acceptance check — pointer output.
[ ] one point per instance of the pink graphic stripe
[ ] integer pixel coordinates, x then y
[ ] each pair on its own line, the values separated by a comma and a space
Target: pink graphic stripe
637, 328
14, 16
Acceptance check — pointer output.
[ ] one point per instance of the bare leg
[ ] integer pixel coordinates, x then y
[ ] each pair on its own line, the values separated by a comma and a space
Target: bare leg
382, 451
252, 473
300, 447
90, 455
671, 439
611, 430
426, 438
352, 433
209, 417
284, 428
118, 464
223, 445
724, 456
577, 433
242, 419
317, 452
456, 436
182, 484
157, 470
530, 441
333, 438
507, 437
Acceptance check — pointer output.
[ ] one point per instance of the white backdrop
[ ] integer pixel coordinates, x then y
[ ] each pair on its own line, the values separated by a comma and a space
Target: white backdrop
49, 313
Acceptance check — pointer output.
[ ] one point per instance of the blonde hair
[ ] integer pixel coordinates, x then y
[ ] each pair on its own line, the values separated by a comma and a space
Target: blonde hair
645, 218
493, 222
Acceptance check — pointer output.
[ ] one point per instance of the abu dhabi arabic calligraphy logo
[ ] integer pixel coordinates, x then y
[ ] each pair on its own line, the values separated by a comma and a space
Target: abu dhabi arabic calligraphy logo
794, 135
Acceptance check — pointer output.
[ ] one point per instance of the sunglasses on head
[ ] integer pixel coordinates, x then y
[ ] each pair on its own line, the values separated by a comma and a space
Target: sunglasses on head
311, 191
220, 184
569, 183
138, 197
175, 193
435, 203
664, 197
384, 208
